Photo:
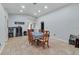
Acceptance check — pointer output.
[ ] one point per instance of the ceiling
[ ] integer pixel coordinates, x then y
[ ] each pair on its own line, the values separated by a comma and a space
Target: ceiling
31, 9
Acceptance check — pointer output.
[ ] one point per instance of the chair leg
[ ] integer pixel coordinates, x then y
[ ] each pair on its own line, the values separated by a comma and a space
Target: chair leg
32, 42
47, 44
43, 45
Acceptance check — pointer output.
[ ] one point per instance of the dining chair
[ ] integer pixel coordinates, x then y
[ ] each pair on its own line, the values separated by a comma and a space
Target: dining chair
30, 37
44, 41
47, 34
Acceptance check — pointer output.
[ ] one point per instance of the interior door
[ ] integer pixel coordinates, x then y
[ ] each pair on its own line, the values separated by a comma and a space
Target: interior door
18, 31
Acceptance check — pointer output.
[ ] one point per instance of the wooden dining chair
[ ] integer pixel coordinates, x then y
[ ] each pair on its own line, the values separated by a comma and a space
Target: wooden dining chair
30, 37
47, 34
44, 41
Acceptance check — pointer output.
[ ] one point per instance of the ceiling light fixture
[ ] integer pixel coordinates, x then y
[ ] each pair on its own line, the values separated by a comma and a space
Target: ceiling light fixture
21, 10
45, 7
23, 7
39, 11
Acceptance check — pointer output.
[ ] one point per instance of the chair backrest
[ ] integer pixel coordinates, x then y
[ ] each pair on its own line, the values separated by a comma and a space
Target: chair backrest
30, 37
46, 35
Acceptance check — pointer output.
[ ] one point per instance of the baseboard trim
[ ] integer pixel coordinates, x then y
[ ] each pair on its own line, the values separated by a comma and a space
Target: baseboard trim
63, 40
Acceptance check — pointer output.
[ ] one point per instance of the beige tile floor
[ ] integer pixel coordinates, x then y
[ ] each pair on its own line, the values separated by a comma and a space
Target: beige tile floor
20, 46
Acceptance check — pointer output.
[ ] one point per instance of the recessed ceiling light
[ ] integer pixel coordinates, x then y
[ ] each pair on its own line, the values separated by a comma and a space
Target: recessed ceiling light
35, 13
23, 6
39, 11
45, 7
21, 10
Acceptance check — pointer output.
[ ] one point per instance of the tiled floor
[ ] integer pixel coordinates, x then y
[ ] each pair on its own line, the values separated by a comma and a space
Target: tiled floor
20, 46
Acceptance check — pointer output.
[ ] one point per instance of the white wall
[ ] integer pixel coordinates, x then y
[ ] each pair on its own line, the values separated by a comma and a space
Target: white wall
20, 18
62, 22
3, 26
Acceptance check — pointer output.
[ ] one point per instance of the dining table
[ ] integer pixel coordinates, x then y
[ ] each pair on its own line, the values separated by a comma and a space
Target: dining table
37, 36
